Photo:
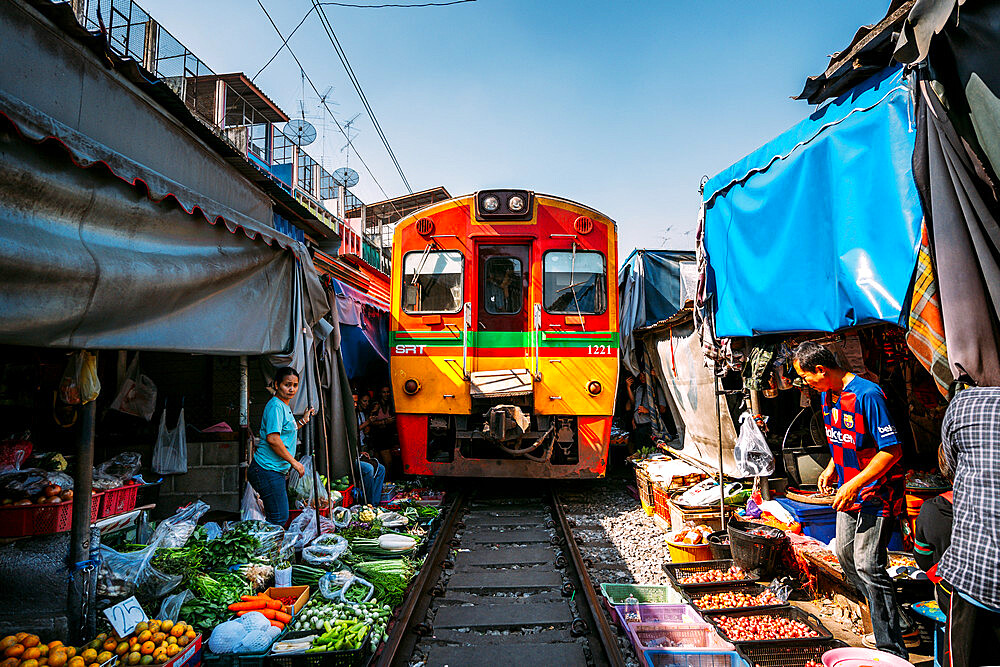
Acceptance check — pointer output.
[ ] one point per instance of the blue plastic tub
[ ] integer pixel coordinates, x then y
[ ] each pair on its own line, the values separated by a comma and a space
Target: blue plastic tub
693, 658
820, 522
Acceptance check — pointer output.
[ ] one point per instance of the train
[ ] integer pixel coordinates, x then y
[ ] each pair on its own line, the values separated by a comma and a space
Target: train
504, 337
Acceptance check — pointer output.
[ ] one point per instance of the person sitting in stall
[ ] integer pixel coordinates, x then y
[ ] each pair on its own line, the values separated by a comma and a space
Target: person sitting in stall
372, 472
384, 435
932, 534
274, 454
640, 402
866, 454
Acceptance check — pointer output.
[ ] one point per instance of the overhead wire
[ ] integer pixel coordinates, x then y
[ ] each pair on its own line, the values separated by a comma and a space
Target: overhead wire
332, 36
420, 4
283, 44
325, 105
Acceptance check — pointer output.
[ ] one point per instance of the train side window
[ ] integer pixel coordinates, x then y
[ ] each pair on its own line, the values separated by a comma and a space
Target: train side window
575, 282
432, 281
503, 285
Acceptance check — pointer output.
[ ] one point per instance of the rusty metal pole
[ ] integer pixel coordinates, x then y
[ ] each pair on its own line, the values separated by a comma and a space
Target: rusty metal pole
79, 538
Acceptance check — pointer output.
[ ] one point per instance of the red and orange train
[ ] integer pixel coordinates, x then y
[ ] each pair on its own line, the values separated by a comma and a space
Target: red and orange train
504, 337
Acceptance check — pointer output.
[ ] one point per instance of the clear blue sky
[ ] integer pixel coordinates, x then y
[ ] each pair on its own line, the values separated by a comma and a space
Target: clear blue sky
620, 105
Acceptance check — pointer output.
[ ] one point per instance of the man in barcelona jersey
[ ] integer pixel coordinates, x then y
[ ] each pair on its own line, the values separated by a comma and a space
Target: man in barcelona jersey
866, 463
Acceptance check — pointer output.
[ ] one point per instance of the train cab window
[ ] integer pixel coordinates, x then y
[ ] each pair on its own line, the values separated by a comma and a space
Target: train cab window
432, 281
503, 285
575, 282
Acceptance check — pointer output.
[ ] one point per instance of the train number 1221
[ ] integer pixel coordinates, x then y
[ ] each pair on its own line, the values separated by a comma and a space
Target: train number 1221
599, 350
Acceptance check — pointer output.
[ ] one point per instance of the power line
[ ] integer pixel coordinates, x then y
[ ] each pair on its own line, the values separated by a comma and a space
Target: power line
332, 36
423, 4
325, 105
283, 44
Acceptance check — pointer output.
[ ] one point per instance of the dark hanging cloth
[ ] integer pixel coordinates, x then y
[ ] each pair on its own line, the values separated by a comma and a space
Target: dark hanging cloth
965, 240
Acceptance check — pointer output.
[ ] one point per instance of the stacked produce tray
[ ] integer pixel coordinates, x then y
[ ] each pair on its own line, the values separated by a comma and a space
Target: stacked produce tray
748, 587
787, 656
118, 501
778, 612
673, 658
660, 613
645, 594
647, 636
677, 571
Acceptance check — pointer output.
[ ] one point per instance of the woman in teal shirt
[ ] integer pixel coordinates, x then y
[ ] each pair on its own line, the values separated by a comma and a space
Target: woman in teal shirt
275, 453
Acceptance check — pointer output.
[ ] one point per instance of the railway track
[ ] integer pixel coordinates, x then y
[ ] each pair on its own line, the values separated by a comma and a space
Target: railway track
503, 583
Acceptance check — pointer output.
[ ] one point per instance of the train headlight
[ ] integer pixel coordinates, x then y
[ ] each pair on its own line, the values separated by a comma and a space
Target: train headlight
516, 204
594, 387
411, 387
491, 204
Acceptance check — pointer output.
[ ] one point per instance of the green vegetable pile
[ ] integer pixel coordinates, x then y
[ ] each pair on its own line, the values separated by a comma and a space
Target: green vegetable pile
210, 607
318, 612
390, 578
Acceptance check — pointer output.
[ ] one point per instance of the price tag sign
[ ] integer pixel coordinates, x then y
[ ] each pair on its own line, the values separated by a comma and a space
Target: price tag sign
125, 615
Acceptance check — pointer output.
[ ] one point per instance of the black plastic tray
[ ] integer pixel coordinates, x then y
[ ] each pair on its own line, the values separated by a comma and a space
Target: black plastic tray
787, 656
677, 570
793, 613
749, 587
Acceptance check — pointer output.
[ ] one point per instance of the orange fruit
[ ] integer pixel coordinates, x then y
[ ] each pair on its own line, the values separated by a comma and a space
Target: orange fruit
57, 658
104, 656
54, 644
33, 653
89, 655
44, 648
154, 626
29, 663
158, 638
7, 642
171, 641
134, 657
181, 641
147, 648
30, 641
145, 636
166, 625
14, 651
20, 636
43, 662
9, 662
75, 661
110, 645
173, 650
70, 651
190, 633
122, 648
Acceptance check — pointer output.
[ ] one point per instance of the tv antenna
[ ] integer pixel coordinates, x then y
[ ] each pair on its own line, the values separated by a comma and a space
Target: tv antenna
348, 129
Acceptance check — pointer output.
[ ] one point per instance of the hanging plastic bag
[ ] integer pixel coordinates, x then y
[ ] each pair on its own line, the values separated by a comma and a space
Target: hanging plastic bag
137, 395
303, 487
120, 468
341, 517
212, 530
331, 583
392, 520
252, 507
125, 574
79, 383
176, 531
752, 454
170, 453
269, 536
283, 564
325, 550
170, 609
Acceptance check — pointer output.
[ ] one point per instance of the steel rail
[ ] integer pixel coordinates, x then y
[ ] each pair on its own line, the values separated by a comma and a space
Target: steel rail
422, 583
604, 631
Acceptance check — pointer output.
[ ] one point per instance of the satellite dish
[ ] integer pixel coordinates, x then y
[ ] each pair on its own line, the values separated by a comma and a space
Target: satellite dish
300, 132
346, 176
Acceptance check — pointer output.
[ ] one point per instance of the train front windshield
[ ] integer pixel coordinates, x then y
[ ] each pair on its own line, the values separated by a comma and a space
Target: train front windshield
574, 282
432, 282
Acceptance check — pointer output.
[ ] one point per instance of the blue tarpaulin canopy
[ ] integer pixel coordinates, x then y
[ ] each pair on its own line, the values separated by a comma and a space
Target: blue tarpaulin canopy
818, 230
364, 333
651, 287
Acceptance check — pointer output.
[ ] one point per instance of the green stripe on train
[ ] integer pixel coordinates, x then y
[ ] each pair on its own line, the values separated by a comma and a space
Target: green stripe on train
506, 339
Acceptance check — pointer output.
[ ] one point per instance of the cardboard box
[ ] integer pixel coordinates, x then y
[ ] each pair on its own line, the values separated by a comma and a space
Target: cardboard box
301, 593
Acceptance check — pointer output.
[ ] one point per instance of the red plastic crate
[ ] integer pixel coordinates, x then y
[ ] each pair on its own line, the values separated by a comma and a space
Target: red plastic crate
348, 499
660, 498
294, 513
35, 519
117, 501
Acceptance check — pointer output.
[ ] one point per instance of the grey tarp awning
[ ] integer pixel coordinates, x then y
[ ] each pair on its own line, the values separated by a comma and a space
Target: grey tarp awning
89, 260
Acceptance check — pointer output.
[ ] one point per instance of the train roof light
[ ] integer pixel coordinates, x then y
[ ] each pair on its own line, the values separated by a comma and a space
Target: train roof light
491, 204
504, 205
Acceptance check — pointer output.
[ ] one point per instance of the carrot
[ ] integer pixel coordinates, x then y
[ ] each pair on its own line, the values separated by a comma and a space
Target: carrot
250, 598
281, 616
273, 604
278, 624
249, 605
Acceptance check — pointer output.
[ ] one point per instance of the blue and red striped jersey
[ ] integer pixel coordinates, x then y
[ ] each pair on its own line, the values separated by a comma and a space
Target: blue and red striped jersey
858, 426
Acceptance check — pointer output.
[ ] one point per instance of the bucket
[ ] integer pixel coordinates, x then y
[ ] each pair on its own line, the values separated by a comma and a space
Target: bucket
689, 553
916, 497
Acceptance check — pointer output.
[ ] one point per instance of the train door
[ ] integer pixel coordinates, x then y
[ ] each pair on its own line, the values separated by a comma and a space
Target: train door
503, 292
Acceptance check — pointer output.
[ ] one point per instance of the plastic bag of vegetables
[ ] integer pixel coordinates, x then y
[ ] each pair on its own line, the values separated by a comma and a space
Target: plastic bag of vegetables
325, 550
392, 520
